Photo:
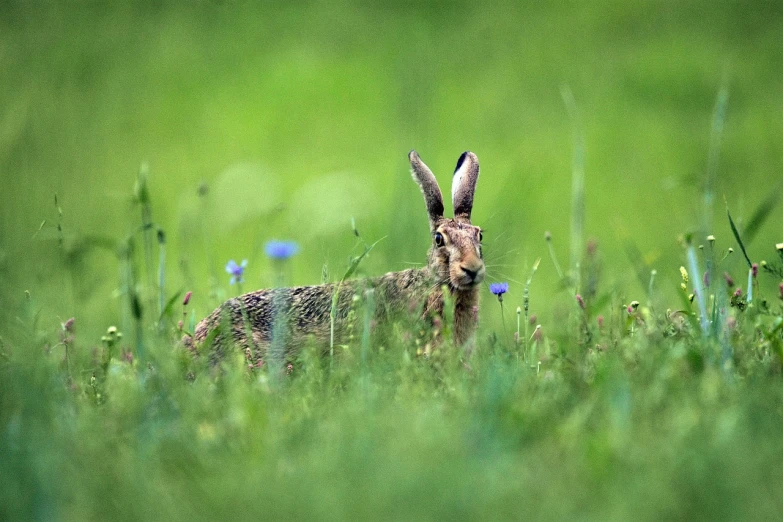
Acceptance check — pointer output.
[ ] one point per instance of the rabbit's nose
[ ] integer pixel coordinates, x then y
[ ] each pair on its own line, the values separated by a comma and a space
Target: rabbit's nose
474, 275
470, 273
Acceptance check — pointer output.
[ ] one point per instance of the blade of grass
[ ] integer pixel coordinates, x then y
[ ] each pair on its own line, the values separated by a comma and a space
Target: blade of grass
641, 268
577, 183
701, 299
761, 214
335, 296
716, 134
737, 237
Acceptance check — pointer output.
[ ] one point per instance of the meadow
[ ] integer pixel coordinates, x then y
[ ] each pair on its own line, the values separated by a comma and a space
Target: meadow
629, 195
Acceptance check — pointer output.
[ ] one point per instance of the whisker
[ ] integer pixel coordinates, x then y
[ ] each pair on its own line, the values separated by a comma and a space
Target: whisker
500, 257
504, 279
492, 216
500, 235
505, 253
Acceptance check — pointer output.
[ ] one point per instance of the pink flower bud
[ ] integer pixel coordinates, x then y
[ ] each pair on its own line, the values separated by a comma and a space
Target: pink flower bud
68, 325
754, 269
538, 334
728, 278
580, 300
180, 325
600, 320
187, 298
781, 290
533, 319
738, 292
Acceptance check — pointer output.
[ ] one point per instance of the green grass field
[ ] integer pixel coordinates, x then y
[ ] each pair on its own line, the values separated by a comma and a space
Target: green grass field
143, 146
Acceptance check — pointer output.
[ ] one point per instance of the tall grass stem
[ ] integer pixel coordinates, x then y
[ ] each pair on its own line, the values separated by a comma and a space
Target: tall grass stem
716, 135
577, 183
701, 299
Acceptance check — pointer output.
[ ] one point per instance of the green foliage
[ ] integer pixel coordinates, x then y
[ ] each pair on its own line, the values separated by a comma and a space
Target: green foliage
636, 425
264, 120
256, 121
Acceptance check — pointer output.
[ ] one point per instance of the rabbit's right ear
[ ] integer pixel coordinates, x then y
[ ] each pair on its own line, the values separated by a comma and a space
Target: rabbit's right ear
429, 187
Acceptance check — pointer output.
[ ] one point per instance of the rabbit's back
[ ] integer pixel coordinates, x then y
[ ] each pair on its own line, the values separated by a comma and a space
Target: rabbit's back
298, 315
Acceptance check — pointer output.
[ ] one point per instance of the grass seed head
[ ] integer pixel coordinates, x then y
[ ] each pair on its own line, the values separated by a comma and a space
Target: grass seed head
68, 325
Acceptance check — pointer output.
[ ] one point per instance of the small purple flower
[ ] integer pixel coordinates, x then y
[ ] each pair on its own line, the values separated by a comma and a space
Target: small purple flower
728, 278
280, 250
187, 298
236, 271
754, 269
581, 301
498, 289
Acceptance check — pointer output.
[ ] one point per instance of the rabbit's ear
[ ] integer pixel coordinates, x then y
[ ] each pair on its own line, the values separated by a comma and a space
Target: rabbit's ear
429, 187
463, 185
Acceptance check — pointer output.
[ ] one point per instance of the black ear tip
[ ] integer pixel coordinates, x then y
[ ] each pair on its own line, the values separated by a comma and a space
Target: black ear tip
461, 160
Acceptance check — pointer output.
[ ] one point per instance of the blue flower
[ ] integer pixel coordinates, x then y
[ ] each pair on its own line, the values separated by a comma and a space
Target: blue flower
280, 250
236, 271
498, 288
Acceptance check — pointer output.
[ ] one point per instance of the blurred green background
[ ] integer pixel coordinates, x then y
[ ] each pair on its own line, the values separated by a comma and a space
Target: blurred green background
297, 117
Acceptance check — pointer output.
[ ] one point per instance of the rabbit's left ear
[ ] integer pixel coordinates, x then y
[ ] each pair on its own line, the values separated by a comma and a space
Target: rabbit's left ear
463, 185
429, 187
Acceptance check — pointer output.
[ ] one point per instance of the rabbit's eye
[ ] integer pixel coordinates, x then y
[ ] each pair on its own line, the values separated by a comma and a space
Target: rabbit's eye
438, 239
481, 236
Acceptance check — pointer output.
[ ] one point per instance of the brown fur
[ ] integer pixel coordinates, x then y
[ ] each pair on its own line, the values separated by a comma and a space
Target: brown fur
287, 318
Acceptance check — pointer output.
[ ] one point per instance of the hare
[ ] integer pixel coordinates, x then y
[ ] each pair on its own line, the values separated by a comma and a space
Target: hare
291, 316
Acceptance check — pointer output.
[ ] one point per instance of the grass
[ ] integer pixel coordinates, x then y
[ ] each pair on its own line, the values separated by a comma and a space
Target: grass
634, 414
641, 399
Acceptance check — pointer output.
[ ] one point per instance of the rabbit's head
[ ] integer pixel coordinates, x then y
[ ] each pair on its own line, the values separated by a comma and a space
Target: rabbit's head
455, 256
